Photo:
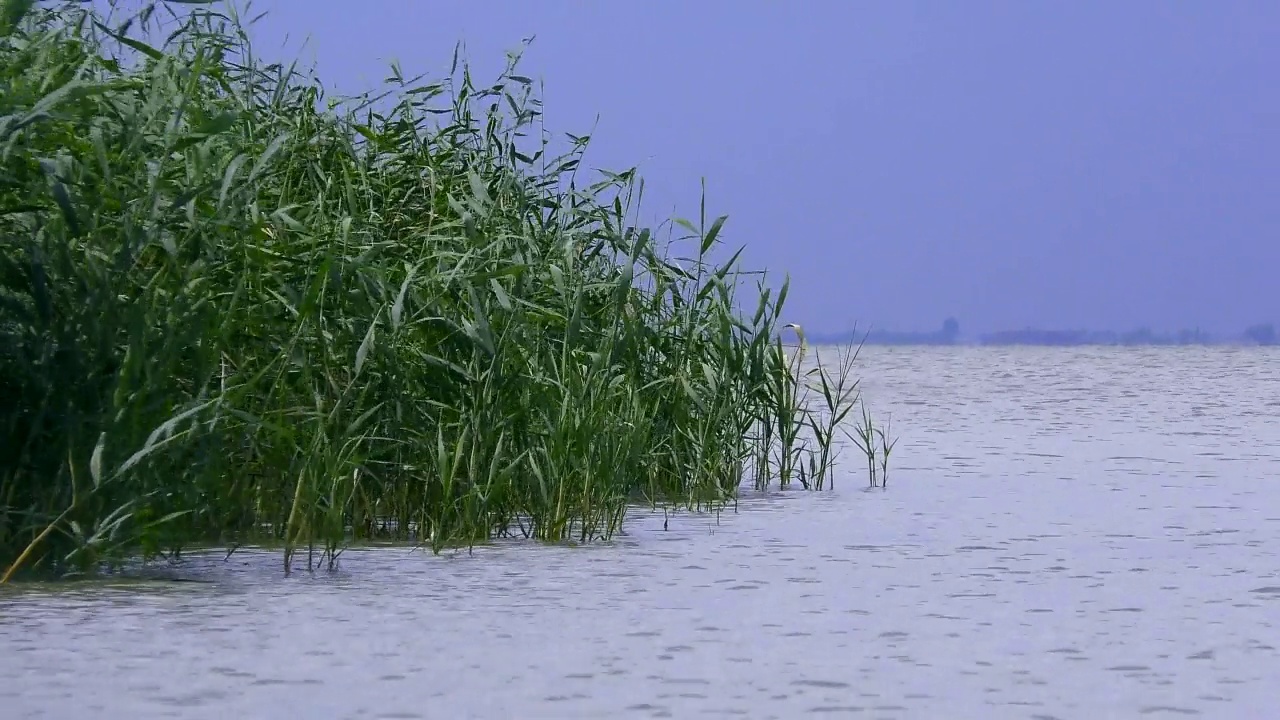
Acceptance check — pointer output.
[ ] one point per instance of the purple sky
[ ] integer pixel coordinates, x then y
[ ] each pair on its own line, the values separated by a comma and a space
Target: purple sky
1093, 164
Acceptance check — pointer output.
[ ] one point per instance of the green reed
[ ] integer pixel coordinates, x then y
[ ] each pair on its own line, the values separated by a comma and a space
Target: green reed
873, 440
234, 310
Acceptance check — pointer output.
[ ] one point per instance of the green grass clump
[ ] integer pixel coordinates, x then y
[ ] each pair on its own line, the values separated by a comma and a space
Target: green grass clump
234, 311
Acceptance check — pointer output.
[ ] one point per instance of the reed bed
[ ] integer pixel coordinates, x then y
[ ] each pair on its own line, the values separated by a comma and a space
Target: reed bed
234, 310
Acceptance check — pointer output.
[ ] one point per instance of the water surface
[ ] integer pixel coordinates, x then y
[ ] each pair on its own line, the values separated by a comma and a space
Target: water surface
1067, 534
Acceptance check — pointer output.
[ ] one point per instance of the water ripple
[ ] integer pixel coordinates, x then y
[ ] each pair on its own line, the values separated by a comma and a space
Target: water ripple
1069, 533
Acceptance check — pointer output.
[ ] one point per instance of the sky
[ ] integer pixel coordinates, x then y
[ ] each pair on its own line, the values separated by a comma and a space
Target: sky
1092, 164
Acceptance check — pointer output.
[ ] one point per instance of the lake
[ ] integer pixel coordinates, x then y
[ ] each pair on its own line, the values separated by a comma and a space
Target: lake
1067, 533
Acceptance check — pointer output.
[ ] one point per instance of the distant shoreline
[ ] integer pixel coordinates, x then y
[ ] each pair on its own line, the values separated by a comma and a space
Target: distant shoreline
1256, 336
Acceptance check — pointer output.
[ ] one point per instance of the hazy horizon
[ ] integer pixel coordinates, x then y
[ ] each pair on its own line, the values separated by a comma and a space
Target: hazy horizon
965, 331
1094, 165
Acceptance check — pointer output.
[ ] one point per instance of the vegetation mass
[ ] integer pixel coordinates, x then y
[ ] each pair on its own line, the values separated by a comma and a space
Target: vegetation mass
234, 310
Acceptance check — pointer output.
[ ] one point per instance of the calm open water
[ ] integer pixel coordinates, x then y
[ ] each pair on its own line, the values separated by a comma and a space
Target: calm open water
1067, 534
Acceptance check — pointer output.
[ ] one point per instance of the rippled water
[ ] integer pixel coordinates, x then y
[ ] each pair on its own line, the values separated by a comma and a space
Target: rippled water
1067, 534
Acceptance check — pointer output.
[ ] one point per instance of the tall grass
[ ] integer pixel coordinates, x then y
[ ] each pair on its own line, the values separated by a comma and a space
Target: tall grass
233, 310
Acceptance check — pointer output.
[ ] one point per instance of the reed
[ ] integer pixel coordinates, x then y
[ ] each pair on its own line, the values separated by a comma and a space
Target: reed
236, 311
873, 441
